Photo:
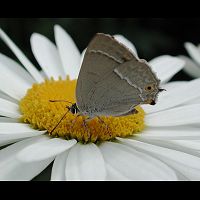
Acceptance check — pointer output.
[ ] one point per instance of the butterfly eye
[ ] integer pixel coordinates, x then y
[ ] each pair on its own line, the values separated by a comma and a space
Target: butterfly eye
149, 88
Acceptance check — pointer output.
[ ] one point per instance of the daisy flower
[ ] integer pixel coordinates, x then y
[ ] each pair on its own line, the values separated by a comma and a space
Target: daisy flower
160, 142
192, 64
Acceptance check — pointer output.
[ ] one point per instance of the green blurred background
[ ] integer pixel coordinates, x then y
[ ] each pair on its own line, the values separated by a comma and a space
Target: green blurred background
151, 36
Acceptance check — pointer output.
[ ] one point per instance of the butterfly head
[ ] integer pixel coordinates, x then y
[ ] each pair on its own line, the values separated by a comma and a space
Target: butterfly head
73, 108
151, 92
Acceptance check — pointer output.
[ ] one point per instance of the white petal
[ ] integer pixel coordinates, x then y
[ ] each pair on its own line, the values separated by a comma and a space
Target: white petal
22, 58
192, 144
188, 114
184, 163
9, 120
180, 176
193, 101
47, 56
6, 139
69, 53
193, 51
6, 128
11, 131
191, 67
166, 66
169, 144
9, 98
14, 68
9, 79
58, 170
82, 56
114, 174
44, 150
135, 165
177, 96
174, 85
127, 43
13, 169
13, 136
170, 133
85, 162
43, 74
4, 142
9, 109
16, 92
186, 171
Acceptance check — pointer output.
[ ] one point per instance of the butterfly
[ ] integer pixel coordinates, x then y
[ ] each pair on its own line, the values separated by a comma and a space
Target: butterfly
112, 80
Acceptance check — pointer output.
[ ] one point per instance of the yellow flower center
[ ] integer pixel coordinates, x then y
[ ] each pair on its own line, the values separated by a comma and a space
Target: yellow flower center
42, 114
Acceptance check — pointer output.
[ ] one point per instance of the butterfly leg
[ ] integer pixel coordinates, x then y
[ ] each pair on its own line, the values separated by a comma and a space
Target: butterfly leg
106, 125
74, 120
86, 127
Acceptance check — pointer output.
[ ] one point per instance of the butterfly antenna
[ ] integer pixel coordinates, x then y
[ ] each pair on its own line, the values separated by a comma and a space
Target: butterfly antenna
160, 89
59, 122
60, 101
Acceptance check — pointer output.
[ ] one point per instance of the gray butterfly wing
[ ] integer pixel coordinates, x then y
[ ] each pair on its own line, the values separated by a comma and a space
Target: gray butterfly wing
101, 90
108, 45
138, 74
